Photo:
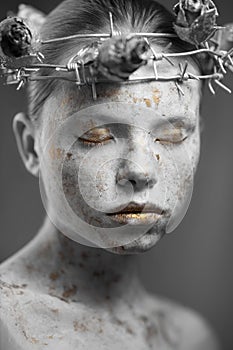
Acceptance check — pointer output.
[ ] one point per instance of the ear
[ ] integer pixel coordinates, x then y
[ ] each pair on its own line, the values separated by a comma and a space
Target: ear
25, 139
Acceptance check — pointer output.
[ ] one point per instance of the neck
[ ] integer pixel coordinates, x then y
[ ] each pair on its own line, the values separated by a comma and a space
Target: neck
89, 274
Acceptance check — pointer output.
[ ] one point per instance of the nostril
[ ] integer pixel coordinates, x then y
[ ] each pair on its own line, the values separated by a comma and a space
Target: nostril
133, 183
144, 182
136, 176
151, 182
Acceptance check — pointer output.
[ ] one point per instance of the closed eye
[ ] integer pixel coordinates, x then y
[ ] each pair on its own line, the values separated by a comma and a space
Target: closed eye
167, 141
171, 136
96, 137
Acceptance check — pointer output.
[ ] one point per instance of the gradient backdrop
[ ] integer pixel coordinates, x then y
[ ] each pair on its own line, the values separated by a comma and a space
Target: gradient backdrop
193, 265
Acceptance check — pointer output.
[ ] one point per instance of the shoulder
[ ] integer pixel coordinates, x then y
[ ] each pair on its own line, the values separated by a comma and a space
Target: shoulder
8, 317
195, 332
182, 326
29, 319
15, 299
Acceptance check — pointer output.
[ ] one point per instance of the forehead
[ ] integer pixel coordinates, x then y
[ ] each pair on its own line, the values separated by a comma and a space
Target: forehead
162, 98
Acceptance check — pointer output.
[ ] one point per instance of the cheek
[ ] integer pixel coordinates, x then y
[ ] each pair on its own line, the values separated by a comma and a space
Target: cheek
193, 149
177, 166
89, 177
91, 173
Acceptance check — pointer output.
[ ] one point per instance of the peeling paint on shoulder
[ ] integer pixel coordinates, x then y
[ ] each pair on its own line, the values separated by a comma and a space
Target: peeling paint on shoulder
12, 286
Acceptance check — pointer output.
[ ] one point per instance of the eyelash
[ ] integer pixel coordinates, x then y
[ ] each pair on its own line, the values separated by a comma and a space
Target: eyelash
171, 142
95, 144
88, 143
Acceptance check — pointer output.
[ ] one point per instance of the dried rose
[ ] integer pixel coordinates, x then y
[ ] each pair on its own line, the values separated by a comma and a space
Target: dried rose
15, 38
195, 20
120, 56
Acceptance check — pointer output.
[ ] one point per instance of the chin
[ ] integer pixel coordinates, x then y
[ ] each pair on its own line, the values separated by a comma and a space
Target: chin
140, 245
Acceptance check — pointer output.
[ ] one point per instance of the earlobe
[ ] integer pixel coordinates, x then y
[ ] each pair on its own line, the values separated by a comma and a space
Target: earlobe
25, 139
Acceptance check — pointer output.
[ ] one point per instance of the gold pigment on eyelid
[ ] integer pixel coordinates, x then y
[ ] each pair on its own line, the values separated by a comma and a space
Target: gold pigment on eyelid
173, 135
97, 135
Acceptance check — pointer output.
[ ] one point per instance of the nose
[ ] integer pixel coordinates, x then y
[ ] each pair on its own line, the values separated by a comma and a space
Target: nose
139, 167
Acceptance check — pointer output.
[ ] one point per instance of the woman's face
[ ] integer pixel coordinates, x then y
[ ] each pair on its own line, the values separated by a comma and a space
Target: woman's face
118, 172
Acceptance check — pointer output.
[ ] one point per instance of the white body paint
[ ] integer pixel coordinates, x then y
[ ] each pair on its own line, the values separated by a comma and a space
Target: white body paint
58, 294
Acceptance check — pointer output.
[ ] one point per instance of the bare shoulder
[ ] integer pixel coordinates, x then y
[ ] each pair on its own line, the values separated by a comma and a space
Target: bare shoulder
7, 316
195, 332
14, 295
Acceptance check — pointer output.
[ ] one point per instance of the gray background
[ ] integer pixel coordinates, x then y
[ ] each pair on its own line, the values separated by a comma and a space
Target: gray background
192, 266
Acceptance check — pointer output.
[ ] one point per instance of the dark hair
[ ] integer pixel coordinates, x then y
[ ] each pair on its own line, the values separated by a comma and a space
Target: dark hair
92, 16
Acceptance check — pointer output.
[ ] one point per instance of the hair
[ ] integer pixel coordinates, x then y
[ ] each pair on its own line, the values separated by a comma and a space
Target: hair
92, 16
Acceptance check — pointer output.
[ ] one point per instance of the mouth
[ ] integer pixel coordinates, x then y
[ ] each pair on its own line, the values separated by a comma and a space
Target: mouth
143, 214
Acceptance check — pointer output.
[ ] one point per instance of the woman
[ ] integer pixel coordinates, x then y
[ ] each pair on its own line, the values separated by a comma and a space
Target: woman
116, 164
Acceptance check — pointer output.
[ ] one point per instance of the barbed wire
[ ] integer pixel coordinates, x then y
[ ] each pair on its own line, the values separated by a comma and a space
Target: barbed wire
85, 73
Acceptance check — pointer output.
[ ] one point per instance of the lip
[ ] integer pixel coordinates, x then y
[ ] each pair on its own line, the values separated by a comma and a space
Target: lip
135, 213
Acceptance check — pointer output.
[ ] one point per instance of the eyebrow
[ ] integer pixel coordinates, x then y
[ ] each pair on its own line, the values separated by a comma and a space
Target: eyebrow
187, 122
105, 118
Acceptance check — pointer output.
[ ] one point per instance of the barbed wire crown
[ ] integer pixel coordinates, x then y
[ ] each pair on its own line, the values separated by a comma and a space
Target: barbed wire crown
113, 57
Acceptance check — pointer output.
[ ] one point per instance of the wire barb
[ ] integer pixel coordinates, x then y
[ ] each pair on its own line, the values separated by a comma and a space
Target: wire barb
85, 72
111, 24
180, 90
21, 83
154, 58
183, 71
211, 87
224, 87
